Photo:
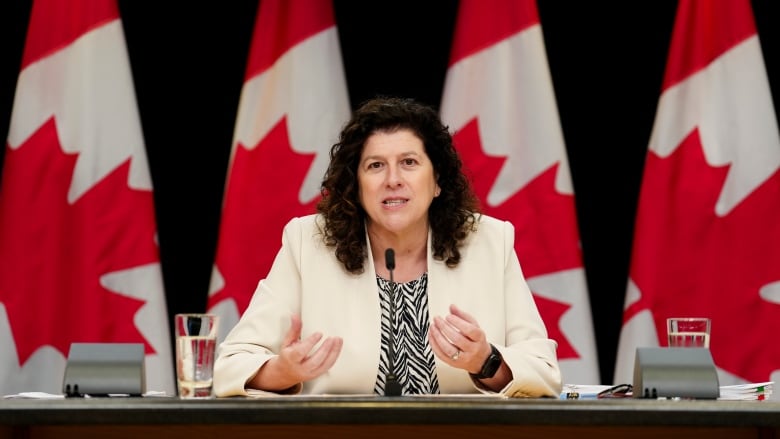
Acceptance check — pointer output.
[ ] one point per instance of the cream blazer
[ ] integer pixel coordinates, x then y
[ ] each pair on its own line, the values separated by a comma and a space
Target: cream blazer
307, 279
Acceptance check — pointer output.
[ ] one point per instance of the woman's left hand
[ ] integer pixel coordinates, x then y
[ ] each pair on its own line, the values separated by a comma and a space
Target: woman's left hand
458, 340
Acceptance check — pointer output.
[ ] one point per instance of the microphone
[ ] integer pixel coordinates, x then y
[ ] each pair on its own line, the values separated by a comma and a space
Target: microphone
392, 386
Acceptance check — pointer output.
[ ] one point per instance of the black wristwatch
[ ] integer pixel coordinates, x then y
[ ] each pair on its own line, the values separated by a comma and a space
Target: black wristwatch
491, 365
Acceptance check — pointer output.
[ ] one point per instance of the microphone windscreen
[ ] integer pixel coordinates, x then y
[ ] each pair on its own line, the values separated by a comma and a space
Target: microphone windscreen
390, 259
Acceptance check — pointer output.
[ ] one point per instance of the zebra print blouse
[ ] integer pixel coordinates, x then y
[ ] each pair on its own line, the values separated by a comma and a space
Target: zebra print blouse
414, 363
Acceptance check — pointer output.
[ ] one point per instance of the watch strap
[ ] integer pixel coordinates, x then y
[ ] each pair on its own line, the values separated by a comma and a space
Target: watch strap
491, 365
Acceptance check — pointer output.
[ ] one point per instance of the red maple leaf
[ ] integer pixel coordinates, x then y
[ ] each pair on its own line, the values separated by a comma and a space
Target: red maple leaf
687, 261
544, 219
262, 196
53, 254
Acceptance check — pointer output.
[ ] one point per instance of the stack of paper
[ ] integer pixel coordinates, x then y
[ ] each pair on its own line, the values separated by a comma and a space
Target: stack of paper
737, 392
747, 392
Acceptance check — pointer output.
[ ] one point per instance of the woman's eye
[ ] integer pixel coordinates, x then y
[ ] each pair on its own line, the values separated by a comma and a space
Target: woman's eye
409, 162
374, 165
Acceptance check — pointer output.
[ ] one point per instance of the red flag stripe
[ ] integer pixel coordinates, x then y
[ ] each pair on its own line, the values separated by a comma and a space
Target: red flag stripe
276, 31
480, 27
54, 24
708, 32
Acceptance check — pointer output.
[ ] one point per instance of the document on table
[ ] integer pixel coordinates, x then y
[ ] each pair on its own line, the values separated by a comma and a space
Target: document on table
747, 392
738, 392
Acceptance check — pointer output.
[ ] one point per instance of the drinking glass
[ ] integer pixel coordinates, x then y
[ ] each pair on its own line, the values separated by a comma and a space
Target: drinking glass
688, 332
196, 343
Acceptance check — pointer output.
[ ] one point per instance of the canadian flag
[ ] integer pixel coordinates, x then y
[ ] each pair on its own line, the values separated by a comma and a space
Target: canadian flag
79, 259
707, 235
292, 105
499, 100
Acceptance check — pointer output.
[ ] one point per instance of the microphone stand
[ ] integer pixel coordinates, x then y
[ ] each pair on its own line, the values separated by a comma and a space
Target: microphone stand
392, 386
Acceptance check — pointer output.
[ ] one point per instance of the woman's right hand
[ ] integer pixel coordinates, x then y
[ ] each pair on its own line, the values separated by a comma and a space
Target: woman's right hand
297, 361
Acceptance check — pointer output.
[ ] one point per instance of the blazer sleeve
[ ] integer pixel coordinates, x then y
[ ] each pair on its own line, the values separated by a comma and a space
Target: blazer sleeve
489, 284
529, 353
527, 349
257, 335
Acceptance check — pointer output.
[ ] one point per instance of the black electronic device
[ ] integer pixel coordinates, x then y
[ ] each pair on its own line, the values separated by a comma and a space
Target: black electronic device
491, 365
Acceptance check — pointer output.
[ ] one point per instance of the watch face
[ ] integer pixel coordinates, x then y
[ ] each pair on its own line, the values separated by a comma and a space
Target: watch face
492, 364
491, 367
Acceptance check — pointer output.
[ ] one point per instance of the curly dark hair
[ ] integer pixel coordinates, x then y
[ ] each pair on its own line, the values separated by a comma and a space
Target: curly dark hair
452, 215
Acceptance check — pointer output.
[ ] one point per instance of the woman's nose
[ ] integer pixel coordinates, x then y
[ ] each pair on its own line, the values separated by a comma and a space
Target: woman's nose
394, 176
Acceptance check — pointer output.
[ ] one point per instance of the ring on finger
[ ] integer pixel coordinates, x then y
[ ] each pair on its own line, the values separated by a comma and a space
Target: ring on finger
455, 356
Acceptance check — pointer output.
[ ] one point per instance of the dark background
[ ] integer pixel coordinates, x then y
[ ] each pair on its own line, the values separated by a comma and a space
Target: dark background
607, 60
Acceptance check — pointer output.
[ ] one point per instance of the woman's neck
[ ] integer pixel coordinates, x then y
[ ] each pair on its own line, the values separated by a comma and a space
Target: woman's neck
411, 255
